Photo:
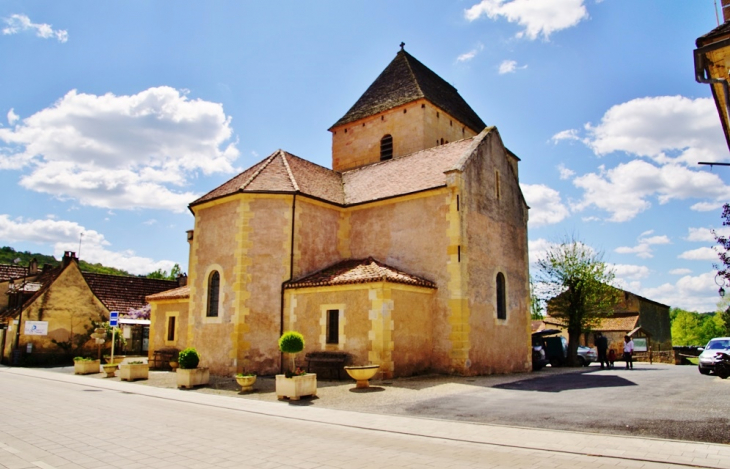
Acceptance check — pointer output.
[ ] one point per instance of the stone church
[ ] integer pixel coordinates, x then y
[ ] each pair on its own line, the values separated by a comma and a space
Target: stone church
410, 253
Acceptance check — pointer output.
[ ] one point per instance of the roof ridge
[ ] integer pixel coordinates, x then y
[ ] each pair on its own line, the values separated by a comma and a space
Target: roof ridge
254, 175
288, 170
413, 74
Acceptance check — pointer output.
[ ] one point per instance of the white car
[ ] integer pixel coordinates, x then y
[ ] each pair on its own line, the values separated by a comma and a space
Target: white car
708, 357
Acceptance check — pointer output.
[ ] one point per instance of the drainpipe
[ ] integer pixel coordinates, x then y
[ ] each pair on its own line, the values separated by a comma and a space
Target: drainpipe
291, 273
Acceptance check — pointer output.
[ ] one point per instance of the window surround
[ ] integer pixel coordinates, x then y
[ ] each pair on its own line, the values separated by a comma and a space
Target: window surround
174, 316
324, 324
205, 291
500, 297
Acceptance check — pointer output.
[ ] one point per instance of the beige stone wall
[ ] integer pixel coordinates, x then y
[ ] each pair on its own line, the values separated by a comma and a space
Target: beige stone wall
69, 306
495, 241
380, 323
414, 126
317, 238
247, 239
159, 315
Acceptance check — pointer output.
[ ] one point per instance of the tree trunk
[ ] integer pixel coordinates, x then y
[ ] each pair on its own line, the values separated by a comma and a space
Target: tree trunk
573, 342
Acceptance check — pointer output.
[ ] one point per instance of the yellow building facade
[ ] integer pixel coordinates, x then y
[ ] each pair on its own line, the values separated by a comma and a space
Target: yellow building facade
411, 253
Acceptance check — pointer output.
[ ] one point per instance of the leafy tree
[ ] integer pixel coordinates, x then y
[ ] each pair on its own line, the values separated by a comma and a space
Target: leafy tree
577, 285
685, 327
8, 255
535, 304
163, 275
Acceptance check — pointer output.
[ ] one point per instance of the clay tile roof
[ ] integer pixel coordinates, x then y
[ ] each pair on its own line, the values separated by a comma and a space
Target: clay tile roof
282, 172
721, 30
44, 279
174, 294
8, 271
618, 323
404, 80
119, 293
412, 173
358, 271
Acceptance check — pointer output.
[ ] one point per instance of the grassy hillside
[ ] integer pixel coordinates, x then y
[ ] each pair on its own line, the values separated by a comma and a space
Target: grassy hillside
8, 255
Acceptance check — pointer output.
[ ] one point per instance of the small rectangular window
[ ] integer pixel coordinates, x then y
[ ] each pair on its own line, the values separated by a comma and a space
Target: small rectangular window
333, 326
171, 328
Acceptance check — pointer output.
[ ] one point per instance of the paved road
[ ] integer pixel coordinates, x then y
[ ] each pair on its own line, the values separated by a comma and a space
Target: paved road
51, 420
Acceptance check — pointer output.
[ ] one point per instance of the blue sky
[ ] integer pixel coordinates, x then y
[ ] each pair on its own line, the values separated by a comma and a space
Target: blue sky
115, 115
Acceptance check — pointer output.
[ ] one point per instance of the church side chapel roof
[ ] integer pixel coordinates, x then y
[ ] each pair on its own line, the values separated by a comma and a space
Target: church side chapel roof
174, 294
404, 80
282, 172
120, 293
358, 271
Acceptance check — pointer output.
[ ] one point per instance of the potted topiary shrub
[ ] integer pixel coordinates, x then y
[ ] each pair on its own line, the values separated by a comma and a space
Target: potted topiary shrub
246, 381
295, 382
86, 366
133, 370
188, 373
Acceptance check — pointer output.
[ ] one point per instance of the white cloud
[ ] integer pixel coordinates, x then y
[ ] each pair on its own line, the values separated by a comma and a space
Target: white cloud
121, 152
680, 271
705, 235
510, 66
12, 117
537, 249
643, 248
151, 221
665, 129
64, 235
700, 254
467, 56
542, 17
693, 293
629, 271
625, 190
570, 134
546, 208
18, 23
565, 173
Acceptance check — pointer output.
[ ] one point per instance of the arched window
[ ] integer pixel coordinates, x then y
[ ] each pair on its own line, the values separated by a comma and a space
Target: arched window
501, 297
214, 285
386, 147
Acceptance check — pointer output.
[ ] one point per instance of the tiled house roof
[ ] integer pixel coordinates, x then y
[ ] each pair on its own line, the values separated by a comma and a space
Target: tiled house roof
620, 322
283, 172
404, 80
44, 279
8, 271
174, 294
120, 293
358, 271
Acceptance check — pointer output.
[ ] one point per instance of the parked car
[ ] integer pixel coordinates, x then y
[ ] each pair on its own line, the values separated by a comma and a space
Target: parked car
548, 347
709, 356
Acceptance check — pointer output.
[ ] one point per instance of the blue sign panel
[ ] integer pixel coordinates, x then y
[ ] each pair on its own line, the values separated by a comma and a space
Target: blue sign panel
113, 318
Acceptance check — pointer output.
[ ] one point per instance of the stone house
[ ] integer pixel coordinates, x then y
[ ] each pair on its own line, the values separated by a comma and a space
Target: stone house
410, 253
635, 316
67, 300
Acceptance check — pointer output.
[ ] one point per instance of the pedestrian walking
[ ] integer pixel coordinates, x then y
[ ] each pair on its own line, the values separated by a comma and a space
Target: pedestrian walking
601, 343
628, 352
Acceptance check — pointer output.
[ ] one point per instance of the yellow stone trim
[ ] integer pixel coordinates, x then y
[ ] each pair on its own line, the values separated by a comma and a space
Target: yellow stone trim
241, 279
357, 286
153, 322
381, 328
168, 315
170, 301
237, 197
340, 345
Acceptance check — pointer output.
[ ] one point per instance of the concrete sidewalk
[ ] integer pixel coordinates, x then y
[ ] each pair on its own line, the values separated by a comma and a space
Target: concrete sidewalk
616, 451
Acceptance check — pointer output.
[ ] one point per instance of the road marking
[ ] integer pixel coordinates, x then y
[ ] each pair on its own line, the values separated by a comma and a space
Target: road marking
9, 449
43, 465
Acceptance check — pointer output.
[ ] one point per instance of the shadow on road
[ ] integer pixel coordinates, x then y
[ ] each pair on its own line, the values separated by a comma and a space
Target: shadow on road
567, 382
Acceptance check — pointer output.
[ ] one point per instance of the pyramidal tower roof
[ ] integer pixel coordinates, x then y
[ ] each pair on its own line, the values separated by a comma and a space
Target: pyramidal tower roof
404, 80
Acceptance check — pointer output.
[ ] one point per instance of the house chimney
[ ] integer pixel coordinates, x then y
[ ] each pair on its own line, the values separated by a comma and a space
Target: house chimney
182, 280
33, 266
726, 10
68, 256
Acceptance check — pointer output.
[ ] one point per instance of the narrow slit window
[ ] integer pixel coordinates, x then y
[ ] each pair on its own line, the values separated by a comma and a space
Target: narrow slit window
214, 284
501, 297
333, 326
386, 147
171, 328
497, 189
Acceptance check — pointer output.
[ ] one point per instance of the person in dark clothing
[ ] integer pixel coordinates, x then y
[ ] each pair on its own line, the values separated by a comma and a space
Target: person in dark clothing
601, 343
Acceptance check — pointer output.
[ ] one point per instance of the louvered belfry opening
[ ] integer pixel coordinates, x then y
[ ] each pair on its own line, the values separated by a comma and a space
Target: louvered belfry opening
386, 148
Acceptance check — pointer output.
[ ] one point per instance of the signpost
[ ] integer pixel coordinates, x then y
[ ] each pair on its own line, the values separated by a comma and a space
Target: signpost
113, 321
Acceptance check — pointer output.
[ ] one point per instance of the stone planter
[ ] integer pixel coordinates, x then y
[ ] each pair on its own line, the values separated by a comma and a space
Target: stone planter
189, 378
362, 374
117, 359
134, 371
296, 386
86, 367
109, 369
246, 382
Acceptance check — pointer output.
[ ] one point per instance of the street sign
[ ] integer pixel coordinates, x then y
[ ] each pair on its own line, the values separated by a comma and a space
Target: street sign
114, 318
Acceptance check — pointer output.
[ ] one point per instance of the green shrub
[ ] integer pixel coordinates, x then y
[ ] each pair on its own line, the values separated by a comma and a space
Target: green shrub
245, 375
291, 342
83, 359
189, 358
